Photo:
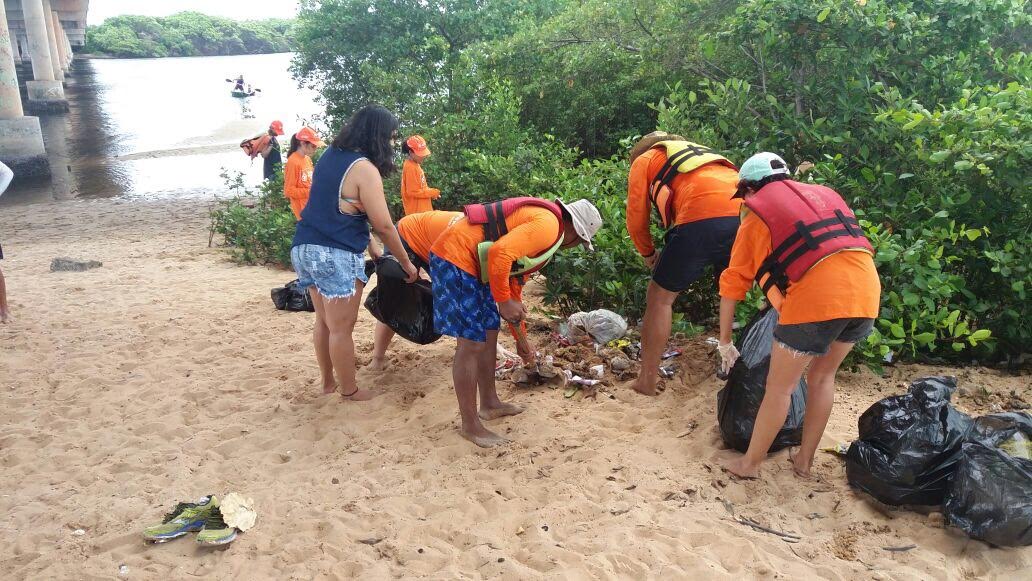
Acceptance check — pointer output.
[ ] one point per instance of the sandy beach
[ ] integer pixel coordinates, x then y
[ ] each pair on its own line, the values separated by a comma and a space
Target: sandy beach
166, 375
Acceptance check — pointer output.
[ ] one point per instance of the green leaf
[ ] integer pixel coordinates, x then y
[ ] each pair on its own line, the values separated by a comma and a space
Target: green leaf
963, 165
692, 97
938, 156
973, 234
980, 335
924, 338
824, 14
897, 331
957, 346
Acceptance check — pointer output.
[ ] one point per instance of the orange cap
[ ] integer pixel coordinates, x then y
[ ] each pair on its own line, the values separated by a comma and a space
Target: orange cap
308, 135
417, 145
277, 127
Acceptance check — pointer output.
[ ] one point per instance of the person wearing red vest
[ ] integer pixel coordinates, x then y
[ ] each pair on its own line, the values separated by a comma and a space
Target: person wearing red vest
472, 265
804, 247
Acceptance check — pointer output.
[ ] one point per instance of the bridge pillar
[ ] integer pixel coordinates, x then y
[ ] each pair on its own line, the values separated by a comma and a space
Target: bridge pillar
21, 139
46, 92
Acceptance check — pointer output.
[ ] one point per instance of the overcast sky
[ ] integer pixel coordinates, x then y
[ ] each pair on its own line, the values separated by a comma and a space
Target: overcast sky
236, 9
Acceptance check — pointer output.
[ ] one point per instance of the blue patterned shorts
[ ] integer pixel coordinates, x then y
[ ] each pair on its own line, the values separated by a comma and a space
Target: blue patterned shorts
463, 306
332, 271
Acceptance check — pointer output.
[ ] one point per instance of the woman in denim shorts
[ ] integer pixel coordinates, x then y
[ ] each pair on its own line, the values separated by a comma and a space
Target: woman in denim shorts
329, 245
804, 247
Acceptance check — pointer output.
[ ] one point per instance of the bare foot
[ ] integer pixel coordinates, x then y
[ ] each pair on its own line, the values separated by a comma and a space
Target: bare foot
801, 470
360, 395
482, 437
741, 468
644, 387
327, 389
377, 365
499, 411
5, 317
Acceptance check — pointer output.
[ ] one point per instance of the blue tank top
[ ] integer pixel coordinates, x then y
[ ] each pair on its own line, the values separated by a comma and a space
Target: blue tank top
322, 222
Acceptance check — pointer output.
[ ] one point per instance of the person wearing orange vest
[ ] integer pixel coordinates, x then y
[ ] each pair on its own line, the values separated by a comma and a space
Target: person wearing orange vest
297, 174
472, 265
688, 187
803, 245
415, 194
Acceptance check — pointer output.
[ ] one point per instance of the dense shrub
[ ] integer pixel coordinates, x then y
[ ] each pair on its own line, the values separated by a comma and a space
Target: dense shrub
256, 224
186, 34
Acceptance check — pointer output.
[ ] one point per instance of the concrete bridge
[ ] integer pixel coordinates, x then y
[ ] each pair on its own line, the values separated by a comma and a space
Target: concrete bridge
40, 33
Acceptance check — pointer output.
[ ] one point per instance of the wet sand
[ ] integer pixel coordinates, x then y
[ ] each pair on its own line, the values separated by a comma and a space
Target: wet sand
166, 374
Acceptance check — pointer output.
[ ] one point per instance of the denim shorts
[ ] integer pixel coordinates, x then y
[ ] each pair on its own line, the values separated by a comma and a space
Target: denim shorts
816, 338
463, 306
332, 271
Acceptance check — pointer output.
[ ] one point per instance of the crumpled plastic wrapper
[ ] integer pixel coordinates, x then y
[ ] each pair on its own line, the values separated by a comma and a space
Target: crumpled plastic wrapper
238, 511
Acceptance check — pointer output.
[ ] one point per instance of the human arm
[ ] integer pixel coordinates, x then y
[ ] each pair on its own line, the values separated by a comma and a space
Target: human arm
639, 206
524, 348
533, 236
370, 194
6, 175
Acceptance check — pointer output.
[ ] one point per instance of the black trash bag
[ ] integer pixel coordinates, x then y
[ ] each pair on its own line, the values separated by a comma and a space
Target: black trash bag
909, 444
990, 495
739, 401
292, 297
408, 309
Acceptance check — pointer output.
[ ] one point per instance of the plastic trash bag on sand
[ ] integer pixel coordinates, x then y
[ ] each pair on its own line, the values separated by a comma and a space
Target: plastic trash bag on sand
292, 297
602, 326
990, 495
408, 309
909, 444
739, 401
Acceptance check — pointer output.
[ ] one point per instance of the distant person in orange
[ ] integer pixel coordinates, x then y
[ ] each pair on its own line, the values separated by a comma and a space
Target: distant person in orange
802, 244
415, 194
688, 187
472, 265
297, 174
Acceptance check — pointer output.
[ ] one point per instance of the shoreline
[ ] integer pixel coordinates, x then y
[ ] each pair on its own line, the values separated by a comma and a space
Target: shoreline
166, 374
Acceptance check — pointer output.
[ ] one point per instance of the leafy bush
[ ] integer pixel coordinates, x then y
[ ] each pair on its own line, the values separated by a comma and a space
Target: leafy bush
258, 226
186, 34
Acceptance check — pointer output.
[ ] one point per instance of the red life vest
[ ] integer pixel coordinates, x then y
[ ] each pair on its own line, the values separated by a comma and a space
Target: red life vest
492, 216
807, 223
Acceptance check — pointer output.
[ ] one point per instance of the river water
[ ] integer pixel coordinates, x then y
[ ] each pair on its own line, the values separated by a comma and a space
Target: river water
163, 128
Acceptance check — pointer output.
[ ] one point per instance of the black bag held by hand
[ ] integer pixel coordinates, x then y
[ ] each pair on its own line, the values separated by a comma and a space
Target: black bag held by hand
909, 444
292, 298
408, 309
739, 401
990, 495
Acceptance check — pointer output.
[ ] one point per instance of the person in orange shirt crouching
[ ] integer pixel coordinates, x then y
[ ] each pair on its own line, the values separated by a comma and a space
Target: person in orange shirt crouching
415, 194
297, 175
804, 247
472, 265
689, 186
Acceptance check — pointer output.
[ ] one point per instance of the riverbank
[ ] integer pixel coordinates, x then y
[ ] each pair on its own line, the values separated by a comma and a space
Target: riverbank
166, 374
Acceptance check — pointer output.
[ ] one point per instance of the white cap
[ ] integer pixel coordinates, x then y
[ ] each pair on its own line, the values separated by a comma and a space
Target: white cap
586, 219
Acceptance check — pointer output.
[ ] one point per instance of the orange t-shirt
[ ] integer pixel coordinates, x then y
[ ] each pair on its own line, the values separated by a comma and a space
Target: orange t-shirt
297, 181
420, 231
843, 285
532, 230
698, 195
415, 195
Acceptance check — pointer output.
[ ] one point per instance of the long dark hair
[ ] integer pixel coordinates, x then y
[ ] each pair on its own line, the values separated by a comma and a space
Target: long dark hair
295, 144
369, 132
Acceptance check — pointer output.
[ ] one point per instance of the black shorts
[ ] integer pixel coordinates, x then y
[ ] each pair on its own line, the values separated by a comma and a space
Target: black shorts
689, 248
816, 338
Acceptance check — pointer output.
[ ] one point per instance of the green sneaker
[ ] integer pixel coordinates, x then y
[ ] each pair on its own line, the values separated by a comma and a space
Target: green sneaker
184, 518
216, 531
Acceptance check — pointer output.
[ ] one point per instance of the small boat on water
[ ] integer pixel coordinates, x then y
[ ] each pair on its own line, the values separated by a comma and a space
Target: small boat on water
242, 94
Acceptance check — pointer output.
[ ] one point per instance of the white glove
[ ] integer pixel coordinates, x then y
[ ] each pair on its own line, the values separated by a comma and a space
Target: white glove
728, 355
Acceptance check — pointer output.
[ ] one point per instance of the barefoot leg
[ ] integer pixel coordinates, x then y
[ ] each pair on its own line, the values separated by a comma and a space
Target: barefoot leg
341, 315
820, 393
655, 332
465, 367
491, 407
786, 367
382, 336
321, 339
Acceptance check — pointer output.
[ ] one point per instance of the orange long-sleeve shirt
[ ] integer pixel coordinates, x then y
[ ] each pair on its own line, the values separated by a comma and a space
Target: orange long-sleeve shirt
420, 231
532, 230
415, 194
699, 195
297, 181
843, 285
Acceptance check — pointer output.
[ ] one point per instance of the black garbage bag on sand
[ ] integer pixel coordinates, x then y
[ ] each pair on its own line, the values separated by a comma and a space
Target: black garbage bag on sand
739, 401
909, 444
990, 495
292, 297
408, 309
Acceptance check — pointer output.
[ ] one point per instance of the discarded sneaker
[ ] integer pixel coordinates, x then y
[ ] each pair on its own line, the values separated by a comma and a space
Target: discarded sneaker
186, 517
216, 531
